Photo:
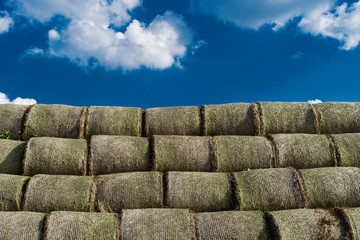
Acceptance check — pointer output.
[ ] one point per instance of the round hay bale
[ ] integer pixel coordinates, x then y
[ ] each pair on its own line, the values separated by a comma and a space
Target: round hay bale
11, 191
114, 121
332, 187
129, 190
21, 225
114, 154
11, 119
236, 153
338, 117
182, 153
352, 217
54, 121
156, 224
81, 225
287, 117
303, 151
11, 156
348, 145
306, 224
199, 191
46, 193
268, 189
172, 121
231, 225
56, 156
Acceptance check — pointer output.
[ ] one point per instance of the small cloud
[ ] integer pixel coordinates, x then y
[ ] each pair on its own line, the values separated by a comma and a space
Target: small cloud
53, 35
6, 22
20, 101
315, 101
198, 45
35, 51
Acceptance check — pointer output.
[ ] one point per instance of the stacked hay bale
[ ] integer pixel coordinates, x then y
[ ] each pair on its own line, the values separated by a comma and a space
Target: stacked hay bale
348, 146
11, 190
182, 153
11, 155
352, 217
58, 156
114, 121
11, 119
172, 121
115, 154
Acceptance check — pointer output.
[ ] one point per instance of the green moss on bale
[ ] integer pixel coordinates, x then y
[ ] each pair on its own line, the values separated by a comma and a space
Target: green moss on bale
114, 154
80, 225
268, 189
338, 117
11, 187
348, 145
199, 191
53, 121
129, 190
21, 225
11, 118
352, 215
235, 153
229, 119
114, 121
303, 151
332, 187
11, 155
172, 121
231, 225
156, 224
287, 117
182, 153
58, 156
46, 193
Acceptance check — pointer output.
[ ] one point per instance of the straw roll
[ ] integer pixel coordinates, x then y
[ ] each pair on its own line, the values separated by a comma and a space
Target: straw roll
11, 119
11, 190
11, 156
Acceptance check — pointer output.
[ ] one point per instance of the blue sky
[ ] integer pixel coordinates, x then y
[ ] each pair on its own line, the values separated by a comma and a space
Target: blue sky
171, 53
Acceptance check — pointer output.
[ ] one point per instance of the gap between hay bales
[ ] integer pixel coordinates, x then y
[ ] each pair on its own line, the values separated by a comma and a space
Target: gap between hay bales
143, 123
24, 121
261, 130
202, 121
45, 226
271, 228
233, 187
256, 119
93, 205
164, 188
151, 160
213, 155
302, 187
194, 225
87, 165
83, 122
316, 119
275, 159
345, 222
336, 151
22, 195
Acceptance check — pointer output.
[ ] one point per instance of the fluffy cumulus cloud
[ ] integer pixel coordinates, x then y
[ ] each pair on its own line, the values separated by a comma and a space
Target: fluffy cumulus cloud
21, 101
315, 101
5, 22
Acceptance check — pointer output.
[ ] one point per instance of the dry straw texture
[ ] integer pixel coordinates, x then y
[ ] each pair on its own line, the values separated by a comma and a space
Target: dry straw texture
53, 121
58, 156
21, 225
114, 121
129, 190
114, 154
236, 153
353, 218
80, 225
349, 148
11, 118
229, 119
231, 225
11, 187
172, 121
303, 224
289, 117
182, 153
338, 117
199, 191
268, 189
332, 187
11, 155
46, 193
303, 151
156, 224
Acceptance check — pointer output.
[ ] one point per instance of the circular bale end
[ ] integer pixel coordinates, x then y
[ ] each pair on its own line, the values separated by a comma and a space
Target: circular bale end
11, 119
11, 156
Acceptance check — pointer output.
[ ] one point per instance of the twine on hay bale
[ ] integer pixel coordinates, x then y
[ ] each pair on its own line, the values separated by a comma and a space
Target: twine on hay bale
11, 119
11, 156
11, 191
348, 146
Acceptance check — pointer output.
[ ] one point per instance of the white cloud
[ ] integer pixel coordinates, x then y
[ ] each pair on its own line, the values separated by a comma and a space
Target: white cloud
315, 101
35, 51
21, 101
53, 35
6, 22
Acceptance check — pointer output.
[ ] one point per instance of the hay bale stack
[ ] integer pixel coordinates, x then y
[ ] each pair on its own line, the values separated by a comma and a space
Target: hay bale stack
200, 192
21, 225
287, 117
80, 225
332, 187
352, 217
57, 156
306, 224
229, 119
114, 154
46, 193
348, 145
114, 121
11, 190
236, 153
303, 151
182, 153
11, 119
54, 121
157, 224
129, 190
268, 189
231, 225
11, 156
172, 121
